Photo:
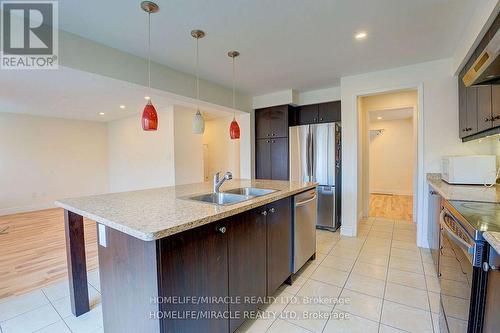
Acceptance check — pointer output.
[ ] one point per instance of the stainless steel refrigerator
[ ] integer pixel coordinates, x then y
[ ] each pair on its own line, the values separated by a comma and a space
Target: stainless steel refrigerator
315, 155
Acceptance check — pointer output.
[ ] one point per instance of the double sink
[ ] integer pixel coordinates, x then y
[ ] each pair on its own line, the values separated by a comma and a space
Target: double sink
233, 196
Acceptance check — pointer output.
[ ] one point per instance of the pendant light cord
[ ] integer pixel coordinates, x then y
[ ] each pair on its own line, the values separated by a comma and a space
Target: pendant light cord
149, 52
197, 77
234, 92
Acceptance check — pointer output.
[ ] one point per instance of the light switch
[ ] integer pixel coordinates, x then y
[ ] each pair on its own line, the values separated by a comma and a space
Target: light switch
102, 235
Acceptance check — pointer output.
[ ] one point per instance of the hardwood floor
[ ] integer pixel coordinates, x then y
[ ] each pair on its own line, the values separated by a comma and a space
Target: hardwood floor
398, 207
33, 250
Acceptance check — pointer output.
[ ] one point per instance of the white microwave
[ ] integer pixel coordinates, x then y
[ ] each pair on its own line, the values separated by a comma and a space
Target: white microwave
472, 169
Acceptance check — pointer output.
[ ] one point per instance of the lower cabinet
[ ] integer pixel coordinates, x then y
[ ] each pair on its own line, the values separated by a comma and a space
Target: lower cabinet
247, 264
240, 259
279, 244
193, 265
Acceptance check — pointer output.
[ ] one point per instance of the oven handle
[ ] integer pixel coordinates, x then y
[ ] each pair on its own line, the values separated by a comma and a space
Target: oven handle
452, 235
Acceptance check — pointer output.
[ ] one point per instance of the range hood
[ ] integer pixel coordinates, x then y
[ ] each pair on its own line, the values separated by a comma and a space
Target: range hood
486, 69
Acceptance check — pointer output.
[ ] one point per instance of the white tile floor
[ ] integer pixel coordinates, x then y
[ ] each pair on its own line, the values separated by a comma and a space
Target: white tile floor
380, 282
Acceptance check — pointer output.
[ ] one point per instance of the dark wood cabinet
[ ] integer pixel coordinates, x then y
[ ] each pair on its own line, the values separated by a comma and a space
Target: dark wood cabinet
329, 112
462, 108
194, 263
471, 121
478, 107
307, 114
263, 159
271, 159
495, 106
271, 122
247, 263
242, 258
279, 159
317, 113
483, 108
279, 243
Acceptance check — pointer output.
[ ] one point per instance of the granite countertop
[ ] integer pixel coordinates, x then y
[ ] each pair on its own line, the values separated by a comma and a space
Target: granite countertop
493, 238
156, 213
477, 193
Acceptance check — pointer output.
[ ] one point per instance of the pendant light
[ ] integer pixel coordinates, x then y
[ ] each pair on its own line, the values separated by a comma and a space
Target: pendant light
234, 128
198, 125
149, 115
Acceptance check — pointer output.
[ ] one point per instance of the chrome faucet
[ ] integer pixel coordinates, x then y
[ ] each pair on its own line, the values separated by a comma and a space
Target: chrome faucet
218, 182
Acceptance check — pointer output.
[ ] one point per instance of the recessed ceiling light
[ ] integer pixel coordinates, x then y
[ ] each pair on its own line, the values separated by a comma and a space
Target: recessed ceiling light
360, 35
122, 106
147, 98
101, 113
379, 118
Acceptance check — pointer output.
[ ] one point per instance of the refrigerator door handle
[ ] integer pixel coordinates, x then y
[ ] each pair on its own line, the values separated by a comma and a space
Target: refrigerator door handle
313, 171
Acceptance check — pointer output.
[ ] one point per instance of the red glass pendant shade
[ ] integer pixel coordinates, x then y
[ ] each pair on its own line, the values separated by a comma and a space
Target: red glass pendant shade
149, 118
234, 130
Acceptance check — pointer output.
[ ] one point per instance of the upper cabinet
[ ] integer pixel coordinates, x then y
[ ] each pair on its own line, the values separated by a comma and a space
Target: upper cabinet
316, 113
478, 106
272, 122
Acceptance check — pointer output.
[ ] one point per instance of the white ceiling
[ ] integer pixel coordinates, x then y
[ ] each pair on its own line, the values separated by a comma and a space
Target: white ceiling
391, 114
284, 44
73, 94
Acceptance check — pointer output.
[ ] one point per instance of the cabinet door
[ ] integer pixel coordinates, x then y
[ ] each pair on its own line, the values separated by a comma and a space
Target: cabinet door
279, 159
247, 264
462, 108
495, 102
471, 111
263, 159
279, 243
329, 112
194, 263
262, 123
278, 118
483, 108
308, 114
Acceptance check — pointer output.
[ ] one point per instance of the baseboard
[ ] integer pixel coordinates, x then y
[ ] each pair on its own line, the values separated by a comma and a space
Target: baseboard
391, 192
347, 231
25, 209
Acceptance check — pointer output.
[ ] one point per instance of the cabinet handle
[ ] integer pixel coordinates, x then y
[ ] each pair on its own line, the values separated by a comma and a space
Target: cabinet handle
489, 119
272, 210
222, 230
273, 141
315, 119
274, 134
267, 141
268, 134
264, 213
321, 119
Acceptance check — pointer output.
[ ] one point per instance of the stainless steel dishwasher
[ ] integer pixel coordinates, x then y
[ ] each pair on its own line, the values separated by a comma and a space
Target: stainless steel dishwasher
304, 228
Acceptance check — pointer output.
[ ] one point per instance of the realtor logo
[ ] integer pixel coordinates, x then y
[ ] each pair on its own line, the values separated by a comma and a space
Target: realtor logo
29, 36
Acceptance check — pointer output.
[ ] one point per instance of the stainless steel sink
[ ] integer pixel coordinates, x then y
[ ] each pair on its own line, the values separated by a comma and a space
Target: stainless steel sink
220, 198
232, 196
251, 191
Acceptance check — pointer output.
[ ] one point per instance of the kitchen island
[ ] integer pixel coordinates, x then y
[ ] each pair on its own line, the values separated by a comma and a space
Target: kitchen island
171, 264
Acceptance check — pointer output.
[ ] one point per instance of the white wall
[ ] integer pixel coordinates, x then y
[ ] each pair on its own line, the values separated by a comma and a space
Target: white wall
139, 159
44, 159
188, 148
391, 157
438, 109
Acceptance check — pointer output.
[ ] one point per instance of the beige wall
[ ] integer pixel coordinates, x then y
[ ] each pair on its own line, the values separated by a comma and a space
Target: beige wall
139, 159
188, 148
223, 154
391, 157
43, 159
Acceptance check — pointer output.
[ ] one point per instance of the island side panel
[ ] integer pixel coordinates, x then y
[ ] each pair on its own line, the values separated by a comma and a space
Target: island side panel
129, 288
77, 265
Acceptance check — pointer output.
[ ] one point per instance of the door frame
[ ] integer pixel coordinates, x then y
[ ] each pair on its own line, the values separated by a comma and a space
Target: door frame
418, 190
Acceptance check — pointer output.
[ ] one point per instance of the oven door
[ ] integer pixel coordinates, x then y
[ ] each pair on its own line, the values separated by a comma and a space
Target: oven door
455, 276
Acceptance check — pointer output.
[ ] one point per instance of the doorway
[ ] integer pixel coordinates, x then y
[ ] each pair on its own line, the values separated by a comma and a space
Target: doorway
389, 155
